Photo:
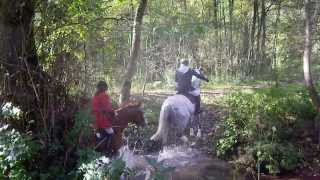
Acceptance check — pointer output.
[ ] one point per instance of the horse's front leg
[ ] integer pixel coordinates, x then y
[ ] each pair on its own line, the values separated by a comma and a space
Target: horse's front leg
197, 125
116, 144
195, 128
191, 126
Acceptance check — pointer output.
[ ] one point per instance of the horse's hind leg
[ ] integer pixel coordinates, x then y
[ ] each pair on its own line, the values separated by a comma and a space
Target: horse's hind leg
198, 125
163, 129
195, 125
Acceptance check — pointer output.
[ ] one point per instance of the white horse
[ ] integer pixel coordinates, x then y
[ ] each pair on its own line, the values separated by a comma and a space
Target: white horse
176, 112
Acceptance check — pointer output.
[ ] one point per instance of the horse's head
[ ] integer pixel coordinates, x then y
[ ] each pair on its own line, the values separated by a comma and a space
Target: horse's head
133, 112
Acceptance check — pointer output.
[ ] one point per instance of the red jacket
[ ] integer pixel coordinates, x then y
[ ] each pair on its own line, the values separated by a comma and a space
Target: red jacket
100, 107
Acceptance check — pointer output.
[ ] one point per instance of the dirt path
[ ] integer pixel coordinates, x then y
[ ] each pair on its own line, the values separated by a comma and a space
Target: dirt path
217, 92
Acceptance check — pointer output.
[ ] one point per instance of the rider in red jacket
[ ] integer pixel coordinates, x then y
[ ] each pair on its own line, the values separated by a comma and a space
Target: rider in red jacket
102, 111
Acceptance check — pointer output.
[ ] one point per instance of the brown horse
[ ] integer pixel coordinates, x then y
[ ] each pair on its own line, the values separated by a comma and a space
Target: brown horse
128, 113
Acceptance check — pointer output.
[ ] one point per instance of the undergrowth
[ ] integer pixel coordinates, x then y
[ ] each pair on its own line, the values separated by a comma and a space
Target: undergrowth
263, 128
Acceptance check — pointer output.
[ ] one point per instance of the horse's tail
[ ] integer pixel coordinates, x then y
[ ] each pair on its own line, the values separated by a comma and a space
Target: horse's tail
163, 127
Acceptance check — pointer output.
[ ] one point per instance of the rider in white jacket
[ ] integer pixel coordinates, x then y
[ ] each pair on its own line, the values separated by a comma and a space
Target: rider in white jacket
196, 82
183, 78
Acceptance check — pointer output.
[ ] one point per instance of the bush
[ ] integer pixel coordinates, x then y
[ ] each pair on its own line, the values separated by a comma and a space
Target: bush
16, 150
10, 111
263, 124
81, 129
274, 157
101, 168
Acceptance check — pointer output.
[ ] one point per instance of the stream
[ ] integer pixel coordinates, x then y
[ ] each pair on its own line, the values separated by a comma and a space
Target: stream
180, 162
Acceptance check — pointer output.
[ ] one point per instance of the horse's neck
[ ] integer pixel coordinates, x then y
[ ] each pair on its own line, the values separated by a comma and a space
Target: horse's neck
121, 122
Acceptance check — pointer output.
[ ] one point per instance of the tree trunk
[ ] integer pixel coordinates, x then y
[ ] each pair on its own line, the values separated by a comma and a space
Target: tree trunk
31, 89
230, 44
306, 64
307, 56
258, 37
251, 61
18, 53
275, 52
215, 11
264, 36
131, 68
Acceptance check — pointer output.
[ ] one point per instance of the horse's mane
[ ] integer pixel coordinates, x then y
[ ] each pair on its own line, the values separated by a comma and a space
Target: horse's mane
130, 104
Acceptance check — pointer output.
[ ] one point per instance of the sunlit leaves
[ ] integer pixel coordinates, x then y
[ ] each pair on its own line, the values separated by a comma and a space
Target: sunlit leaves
264, 123
15, 149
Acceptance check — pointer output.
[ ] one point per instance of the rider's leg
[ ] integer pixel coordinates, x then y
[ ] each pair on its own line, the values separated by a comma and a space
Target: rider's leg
197, 105
109, 130
101, 138
199, 134
109, 133
104, 137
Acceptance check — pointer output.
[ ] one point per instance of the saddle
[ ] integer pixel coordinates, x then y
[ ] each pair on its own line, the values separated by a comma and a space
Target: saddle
189, 96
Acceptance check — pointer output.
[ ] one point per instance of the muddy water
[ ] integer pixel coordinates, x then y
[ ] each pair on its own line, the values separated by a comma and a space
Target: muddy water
187, 164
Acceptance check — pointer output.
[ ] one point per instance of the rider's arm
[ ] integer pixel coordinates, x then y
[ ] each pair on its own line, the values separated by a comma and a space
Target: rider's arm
106, 106
176, 77
200, 76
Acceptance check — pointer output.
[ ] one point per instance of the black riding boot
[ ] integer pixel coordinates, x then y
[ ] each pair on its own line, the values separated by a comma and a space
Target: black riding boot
103, 141
197, 105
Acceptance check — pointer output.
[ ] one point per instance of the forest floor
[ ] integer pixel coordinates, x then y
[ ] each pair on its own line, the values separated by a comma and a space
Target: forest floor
213, 114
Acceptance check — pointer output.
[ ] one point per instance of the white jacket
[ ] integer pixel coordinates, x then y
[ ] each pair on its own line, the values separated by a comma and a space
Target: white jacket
196, 82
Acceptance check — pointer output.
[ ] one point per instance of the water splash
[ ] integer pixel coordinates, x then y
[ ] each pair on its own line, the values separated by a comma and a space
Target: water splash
178, 156
172, 156
134, 161
182, 161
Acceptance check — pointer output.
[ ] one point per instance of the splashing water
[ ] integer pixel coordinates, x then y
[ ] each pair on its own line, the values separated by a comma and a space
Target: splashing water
178, 156
187, 163
134, 161
173, 156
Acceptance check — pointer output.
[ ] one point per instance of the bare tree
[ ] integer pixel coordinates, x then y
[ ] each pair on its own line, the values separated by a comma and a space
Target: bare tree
131, 68
306, 62
307, 56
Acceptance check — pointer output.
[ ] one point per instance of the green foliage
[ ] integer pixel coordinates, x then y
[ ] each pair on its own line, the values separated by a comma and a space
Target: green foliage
81, 127
100, 168
264, 123
71, 40
86, 156
16, 150
277, 156
10, 111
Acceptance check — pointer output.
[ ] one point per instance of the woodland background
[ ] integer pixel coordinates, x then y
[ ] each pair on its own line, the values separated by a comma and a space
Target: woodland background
53, 52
